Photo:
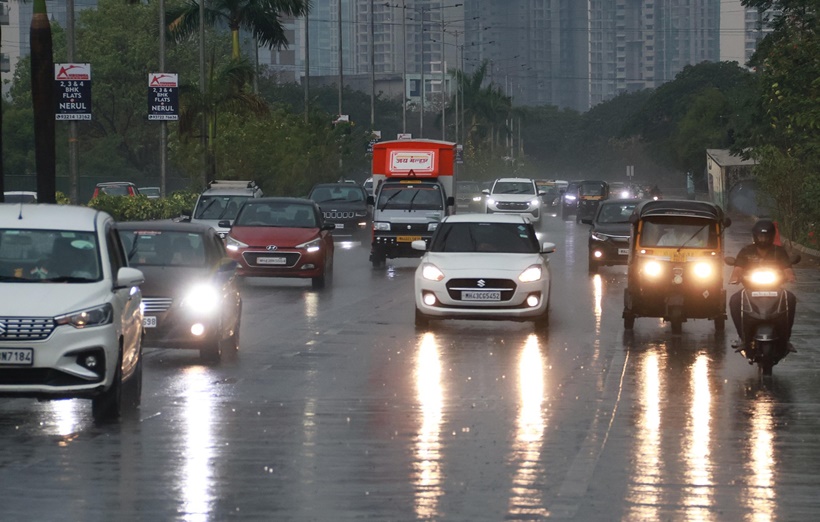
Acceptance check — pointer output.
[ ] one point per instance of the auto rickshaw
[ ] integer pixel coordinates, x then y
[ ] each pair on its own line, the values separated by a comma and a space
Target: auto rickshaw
590, 195
675, 266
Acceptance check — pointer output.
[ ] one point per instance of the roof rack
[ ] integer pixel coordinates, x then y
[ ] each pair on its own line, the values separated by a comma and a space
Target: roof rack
232, 183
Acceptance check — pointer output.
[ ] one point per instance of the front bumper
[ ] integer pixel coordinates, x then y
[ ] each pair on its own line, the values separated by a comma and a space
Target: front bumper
610, 252
173, 329
512, 307
394, 245
296, 263
56, 371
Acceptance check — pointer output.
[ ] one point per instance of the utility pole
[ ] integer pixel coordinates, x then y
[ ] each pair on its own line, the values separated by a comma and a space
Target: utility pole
307, 65
204, 123
421, 113
443, 90
73, 149
372, 68
341, 74
42, 98
163, 125
404, 67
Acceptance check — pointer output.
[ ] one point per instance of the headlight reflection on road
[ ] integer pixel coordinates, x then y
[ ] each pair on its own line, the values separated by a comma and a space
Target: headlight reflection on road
311, 300
427, 475
527, 488
598, 295
644, 492
66, 418
759, 495
196, 488
698, 496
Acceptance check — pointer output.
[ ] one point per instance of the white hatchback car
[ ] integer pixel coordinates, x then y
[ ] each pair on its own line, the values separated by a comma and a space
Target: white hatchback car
484, 267
70, 316
514, 196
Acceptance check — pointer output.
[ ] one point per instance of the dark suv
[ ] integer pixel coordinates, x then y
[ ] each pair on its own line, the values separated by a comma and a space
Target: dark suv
609, 237
344, 205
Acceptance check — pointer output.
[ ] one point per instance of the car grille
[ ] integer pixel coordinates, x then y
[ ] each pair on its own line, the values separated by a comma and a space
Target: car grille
291, 258
505, 286
413, 229
156, 304
512, 205
339, 214
26, 328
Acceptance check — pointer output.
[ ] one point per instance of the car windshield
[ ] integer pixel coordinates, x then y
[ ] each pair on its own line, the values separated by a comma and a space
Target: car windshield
163, 248
218, 206
512, 238
678, 232
514, 187
469, 188
410, 197
592, 189
350, 194
20, 198
59, 256
615, 212
277, 214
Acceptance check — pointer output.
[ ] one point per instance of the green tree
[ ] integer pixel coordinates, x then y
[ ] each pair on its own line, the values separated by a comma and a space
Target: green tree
261, 17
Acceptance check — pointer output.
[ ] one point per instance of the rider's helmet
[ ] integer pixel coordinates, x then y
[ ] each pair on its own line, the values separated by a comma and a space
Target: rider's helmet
763, 233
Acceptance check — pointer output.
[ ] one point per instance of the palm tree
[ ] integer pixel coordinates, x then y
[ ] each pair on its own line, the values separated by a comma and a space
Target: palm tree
485, 108
261, 17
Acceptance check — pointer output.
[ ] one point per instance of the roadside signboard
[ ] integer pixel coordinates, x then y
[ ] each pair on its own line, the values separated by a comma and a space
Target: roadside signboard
375, 137
460, 154
163, 97
73, 85
404, 136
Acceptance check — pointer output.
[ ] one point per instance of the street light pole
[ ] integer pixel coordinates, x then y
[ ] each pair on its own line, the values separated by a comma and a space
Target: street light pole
403, 67
372, 68
73, 151
341, 74
421, 113
163, 125
443, 90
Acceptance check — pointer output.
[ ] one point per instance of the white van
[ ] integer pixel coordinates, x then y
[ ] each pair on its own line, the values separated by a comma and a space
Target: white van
221, 201
70, 316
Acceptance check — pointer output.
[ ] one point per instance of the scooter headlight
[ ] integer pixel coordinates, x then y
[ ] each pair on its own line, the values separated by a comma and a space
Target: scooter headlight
763, 277
652, 268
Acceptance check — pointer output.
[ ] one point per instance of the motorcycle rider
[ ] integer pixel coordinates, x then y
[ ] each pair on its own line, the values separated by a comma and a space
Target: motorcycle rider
762, 251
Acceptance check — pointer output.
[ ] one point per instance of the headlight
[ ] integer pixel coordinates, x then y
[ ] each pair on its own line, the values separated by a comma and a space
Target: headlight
477, 198
431, 227
234, 245
763, 277
431, 272
570, 198
536, 202
311, 246
361, 213
703, 270
381, 225
652, 268
625, 194
531, 274
490, 201
202, 298
91, 317
597, 236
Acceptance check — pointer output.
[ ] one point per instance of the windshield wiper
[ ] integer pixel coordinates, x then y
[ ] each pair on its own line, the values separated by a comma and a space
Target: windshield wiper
207, 206
698, 231
410, 204
388, 200
12, 279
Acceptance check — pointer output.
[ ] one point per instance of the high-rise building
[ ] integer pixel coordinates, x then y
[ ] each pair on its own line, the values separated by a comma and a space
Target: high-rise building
741, 29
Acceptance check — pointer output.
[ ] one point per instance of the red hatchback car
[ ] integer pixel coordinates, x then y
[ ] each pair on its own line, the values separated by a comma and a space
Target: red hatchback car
281, 237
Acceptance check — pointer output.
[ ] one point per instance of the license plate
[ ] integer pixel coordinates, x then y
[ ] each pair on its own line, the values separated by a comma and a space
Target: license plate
271, 261
17, 356
764, 294
407, 239
340, 225
623, 251
149, 321
467, 295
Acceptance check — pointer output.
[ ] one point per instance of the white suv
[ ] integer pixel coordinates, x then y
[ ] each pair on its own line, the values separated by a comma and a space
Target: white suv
70, 316
221, 202
514, 196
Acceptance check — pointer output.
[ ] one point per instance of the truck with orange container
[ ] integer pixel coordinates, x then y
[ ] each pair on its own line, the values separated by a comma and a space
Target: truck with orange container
413, 190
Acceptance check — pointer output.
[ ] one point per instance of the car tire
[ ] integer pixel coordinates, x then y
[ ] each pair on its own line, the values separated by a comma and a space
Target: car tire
326, 277
378, 259
542, 322
629, 322
422, 321
211, 352
676, 319
720, 324
107, 406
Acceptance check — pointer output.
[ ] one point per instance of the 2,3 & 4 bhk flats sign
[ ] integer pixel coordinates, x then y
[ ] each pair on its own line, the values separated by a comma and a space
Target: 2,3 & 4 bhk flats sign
72, 91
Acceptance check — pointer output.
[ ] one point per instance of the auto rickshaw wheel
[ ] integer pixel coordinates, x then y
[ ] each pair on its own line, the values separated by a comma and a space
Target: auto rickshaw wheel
676, 319
720, 324
629, 322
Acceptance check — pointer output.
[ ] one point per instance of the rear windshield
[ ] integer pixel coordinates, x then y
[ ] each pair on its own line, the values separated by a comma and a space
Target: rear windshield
163, 248
19, 198
410, 197
592, 189
615, 212
678, 232
514, 238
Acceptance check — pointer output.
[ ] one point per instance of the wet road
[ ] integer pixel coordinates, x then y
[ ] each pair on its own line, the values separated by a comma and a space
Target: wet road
336, 408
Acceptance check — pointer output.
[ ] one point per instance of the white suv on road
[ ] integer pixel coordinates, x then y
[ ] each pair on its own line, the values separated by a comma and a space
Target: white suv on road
514, 196
70, 315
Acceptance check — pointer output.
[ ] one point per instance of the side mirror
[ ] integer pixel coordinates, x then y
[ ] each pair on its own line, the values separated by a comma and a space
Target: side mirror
727, 222
542, 192
451, 201
371, 200
730, 261
586, 221
419, 244
486, 191
128, 277
547, 247
225, 223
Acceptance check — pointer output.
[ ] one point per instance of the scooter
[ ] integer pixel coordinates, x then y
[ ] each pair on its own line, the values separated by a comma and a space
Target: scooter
764, 311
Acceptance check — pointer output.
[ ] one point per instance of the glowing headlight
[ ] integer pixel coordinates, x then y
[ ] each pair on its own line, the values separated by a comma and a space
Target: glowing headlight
431, 272
234, 245
201, 298
703, 270
532, 273
625, 194
569, 198
599, 237
652, 269
490, 201
535, 202
763, 277
91, 317
381, 225
476, 198
431, 227
311, 246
